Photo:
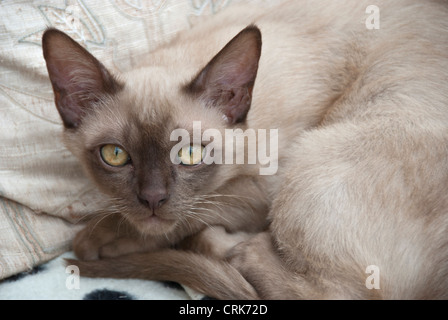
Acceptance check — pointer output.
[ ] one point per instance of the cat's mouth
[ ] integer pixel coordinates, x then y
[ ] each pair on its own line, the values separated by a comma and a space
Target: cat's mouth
153, 224
153, 219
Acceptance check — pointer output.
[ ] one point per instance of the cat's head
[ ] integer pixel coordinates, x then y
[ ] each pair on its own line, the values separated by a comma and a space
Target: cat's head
120, 127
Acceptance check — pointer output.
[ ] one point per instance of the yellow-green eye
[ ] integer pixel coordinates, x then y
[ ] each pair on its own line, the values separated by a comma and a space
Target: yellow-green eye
114, 155
191, 155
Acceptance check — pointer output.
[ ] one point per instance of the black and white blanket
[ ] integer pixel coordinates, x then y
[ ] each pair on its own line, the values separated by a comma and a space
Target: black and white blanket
55, 281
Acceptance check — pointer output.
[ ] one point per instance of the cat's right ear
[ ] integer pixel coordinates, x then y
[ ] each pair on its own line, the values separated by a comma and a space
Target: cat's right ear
78, 78
227, 81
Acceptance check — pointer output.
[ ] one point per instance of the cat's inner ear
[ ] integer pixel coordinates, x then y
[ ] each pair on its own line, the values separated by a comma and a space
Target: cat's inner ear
227, 81
77, 77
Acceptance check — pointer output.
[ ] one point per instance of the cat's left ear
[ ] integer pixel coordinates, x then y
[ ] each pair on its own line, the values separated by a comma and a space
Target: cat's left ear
227, 81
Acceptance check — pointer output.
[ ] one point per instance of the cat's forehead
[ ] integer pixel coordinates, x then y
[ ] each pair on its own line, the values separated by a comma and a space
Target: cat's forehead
146, 120
156, 96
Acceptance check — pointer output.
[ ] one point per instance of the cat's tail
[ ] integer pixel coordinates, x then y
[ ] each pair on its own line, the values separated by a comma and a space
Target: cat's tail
214, 278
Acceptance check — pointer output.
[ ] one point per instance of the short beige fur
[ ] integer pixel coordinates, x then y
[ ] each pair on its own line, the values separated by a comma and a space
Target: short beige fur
363, 157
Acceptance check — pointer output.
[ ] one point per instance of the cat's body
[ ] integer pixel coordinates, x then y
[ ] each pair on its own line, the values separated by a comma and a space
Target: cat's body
362, 118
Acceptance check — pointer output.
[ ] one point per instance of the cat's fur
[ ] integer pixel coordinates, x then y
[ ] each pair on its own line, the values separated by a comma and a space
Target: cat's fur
363, 155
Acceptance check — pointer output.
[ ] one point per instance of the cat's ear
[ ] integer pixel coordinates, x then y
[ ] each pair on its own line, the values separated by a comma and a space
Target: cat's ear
228, 79
77, 77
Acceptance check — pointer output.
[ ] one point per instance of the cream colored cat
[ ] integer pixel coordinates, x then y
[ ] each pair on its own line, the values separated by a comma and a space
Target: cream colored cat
358, 207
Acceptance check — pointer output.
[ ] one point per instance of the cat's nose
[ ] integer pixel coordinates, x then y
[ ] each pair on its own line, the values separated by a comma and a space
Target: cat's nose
154, 199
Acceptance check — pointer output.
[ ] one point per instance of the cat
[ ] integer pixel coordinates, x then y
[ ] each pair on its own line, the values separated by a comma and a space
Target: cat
357, 208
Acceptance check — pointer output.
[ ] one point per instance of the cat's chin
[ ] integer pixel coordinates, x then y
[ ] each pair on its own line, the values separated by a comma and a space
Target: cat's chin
153, 225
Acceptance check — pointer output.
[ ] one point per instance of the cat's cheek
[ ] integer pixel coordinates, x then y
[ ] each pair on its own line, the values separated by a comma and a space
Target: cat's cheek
112, 180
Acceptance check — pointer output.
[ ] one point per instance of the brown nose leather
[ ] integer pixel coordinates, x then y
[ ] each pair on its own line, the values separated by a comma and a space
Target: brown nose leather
154, 199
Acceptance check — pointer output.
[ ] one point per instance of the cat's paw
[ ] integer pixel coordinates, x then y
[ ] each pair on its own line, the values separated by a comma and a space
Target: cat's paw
251, 254
213, 241
107, 237
84, 247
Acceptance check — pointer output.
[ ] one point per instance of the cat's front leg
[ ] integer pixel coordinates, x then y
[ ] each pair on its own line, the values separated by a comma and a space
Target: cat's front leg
198, 263
109, 235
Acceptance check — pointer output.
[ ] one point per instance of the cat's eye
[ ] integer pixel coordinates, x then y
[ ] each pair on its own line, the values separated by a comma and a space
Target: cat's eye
114, 155
191, 155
